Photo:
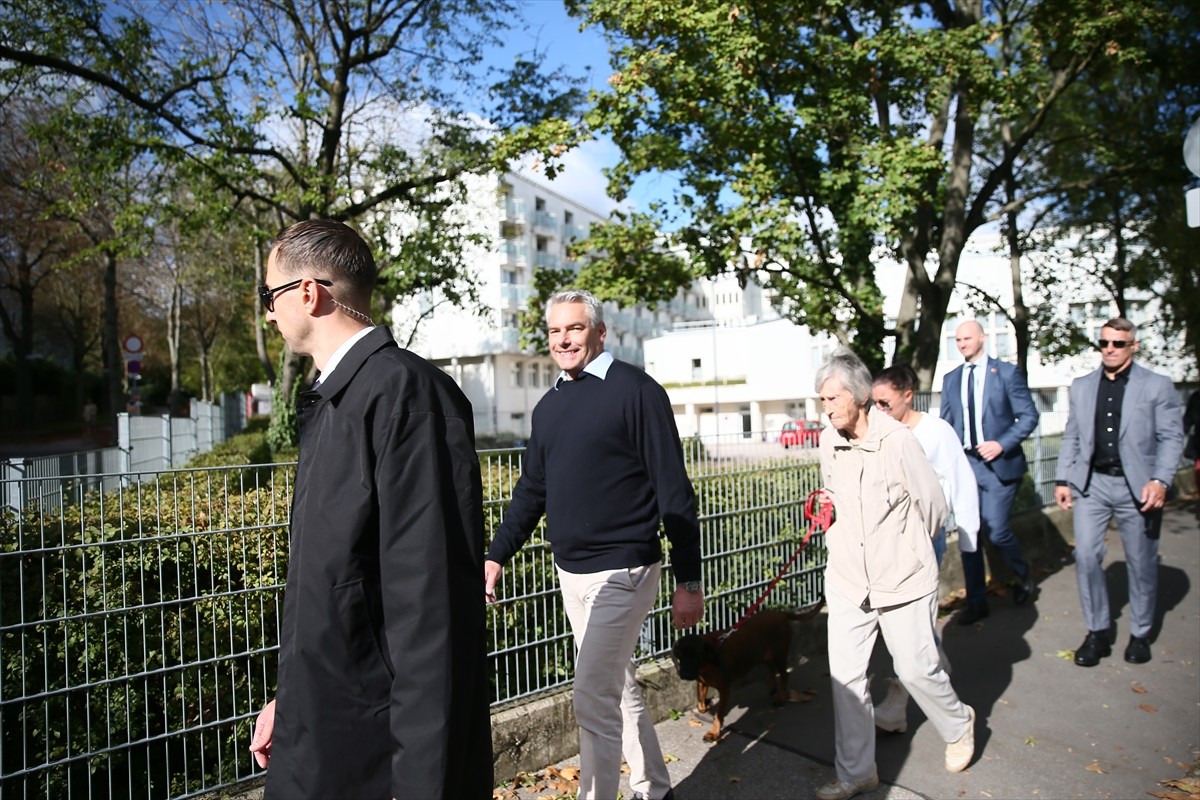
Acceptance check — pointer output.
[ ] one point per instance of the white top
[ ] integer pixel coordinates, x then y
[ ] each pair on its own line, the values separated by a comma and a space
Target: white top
943, 446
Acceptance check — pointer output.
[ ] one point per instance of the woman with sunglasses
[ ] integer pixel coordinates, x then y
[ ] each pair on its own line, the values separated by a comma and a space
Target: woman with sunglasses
892, 392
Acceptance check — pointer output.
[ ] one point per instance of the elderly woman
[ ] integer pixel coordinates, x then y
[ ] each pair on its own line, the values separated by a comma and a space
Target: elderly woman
882, 574
893, 394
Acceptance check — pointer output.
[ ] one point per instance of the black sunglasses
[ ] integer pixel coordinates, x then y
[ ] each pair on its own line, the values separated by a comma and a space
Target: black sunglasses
1120, 344
267, 294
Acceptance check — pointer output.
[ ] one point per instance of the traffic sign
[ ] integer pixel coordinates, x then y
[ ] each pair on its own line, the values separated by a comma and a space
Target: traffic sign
133, 343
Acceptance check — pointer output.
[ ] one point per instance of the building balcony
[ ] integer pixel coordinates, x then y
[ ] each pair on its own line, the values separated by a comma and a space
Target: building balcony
516, 253
545, 221
547, 260
572, 231
513, 296
514, 210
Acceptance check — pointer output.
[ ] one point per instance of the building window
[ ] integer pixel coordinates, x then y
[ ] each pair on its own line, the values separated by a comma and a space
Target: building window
549, 375
508, 276
511, 320
533, 376
1004, 344
517, 376
568, 217
539, 204
696, 371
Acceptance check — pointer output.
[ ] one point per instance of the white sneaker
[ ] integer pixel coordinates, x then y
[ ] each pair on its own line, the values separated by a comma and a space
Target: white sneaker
838, 789
960, 753
892, 713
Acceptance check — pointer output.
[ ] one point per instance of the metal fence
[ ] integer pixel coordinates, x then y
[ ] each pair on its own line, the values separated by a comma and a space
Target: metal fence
145, 445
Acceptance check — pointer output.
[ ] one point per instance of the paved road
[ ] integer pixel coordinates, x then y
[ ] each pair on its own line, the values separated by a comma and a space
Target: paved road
1047, 728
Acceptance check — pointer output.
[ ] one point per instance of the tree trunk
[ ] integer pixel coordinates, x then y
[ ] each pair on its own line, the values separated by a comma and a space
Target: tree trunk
19, 333
114, 364
260, 333
175, 334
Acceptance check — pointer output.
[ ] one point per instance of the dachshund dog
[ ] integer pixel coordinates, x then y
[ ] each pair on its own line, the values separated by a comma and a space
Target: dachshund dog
764, 638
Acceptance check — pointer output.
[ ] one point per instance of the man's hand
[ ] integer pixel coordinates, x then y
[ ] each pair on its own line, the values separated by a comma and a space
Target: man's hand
264, 730
1154, 496
989, 450
687, 608
1062, 496
491, 574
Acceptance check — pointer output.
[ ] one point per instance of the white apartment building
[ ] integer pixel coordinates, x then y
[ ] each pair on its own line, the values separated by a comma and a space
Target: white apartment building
529, 226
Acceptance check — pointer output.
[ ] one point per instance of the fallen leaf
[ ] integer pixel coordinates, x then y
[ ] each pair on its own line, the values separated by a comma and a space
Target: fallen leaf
1096, 768
1065, 655
695, 723
1149, 709
1183, 784
1139, 689
668, 758
734, 779
1029, 740
570, 773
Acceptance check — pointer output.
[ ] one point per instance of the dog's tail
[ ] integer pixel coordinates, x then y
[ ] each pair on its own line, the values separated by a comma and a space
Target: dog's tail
808, 612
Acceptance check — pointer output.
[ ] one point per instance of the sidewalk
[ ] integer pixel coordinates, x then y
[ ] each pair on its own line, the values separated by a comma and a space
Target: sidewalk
1047, 728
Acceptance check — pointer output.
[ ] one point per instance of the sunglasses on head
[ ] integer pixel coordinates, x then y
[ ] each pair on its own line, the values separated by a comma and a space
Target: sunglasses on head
1120, 344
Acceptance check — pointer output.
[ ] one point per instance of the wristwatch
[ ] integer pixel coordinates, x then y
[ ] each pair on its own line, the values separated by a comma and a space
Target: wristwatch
692, 586
1165, 485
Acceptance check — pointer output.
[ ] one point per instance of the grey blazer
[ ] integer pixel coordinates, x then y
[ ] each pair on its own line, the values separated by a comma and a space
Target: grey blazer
1151, 436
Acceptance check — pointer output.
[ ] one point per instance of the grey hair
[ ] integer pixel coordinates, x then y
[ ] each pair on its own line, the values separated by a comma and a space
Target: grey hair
595, 311
845, 365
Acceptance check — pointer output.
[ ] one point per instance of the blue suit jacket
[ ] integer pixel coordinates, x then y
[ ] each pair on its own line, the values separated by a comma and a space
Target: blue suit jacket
1009, 413
1151, 436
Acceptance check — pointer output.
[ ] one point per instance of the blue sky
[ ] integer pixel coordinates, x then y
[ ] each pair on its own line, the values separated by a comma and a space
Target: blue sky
547, 27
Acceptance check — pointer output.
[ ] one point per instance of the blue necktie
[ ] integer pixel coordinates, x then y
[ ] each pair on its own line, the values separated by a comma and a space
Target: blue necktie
971, 405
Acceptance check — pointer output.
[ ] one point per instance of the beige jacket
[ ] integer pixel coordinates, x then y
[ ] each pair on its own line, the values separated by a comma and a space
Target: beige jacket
888, 506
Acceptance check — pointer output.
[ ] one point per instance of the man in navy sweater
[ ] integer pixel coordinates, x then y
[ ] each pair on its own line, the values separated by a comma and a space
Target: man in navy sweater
604, 464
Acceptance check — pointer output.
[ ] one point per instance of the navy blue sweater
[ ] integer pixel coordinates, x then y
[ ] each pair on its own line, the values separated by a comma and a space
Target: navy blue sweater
605, 465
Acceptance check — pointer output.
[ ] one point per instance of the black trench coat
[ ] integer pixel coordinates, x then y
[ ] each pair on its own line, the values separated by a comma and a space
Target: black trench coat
383, 688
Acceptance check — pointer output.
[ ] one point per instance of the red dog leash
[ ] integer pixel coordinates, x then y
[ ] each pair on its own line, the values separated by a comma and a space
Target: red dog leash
820, 517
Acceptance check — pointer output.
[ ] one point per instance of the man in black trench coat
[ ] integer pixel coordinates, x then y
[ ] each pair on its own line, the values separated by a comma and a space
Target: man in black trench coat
383, 686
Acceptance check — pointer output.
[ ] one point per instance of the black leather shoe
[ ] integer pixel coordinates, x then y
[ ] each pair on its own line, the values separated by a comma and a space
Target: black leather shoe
973, 613
670, 795
1094, 648
1138, 650
1024, 589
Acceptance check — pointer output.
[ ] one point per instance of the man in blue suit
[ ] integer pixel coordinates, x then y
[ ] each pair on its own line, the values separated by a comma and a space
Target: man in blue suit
993, 412
1119, 453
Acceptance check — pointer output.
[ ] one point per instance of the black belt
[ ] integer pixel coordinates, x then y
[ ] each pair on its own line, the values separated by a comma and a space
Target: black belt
1114, 471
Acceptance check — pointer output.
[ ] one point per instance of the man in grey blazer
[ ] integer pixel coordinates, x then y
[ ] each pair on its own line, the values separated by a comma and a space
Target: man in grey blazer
1119, 453
993, 412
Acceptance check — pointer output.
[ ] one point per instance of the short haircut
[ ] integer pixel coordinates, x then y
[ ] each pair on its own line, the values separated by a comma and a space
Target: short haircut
1121, 324
595, 311
847, 367
900, 377
326, 248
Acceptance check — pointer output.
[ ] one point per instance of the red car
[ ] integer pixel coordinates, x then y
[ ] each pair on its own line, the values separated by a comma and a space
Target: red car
800, 432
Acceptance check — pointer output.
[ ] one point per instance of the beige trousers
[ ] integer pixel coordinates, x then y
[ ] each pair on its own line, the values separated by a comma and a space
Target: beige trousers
606, 610
908, 630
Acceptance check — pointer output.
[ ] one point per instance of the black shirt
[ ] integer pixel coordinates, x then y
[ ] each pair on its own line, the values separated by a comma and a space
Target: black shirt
1108, 420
